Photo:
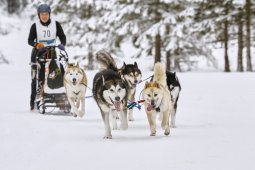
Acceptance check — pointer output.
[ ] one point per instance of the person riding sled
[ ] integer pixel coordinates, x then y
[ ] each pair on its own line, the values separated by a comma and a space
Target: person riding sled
43, 33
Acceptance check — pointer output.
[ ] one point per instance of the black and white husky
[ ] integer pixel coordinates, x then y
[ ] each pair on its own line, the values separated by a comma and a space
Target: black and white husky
174, 88
132, 75
110, 93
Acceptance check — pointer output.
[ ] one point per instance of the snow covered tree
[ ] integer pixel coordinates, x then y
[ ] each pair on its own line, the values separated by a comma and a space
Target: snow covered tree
215, 17
156, 27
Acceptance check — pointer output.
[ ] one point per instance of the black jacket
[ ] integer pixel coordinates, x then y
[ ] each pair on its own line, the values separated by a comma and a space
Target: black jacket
33, 36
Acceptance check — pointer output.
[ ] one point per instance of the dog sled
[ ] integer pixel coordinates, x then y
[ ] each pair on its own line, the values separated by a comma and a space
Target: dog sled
51, 94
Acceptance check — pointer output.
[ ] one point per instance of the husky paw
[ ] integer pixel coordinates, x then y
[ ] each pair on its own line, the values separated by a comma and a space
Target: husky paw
108, 136
131, 119
167, 132
153, 134
74, 115
81, 114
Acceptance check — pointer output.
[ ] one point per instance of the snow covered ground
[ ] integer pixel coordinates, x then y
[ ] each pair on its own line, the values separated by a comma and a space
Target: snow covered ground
215, 122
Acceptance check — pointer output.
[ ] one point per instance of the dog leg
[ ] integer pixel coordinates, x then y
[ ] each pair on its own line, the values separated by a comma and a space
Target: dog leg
82, 112
130, 112
123, 119
165, 122
73, 106
105, 115
152, 122
78, 103
173, 114
114, 120
108, 134
130, 115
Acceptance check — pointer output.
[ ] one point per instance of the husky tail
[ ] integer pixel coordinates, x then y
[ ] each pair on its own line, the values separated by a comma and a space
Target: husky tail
160, 73
105, 60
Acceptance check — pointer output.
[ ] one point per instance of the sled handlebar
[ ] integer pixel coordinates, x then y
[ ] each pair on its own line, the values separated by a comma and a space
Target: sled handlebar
62, 57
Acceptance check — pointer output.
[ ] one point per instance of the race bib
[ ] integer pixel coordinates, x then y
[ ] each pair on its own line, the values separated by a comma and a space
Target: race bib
46, 34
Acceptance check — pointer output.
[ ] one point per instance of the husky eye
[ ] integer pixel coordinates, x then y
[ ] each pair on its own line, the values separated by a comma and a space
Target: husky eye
76, 74
155, 95
71, 74
111, 90
119, 89
149, 95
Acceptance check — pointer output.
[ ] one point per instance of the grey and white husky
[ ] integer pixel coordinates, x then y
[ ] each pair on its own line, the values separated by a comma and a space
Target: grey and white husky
132, 75
75, 82
110, 93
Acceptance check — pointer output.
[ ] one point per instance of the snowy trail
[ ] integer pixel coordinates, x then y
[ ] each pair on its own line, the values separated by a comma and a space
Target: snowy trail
215, 123
214, 130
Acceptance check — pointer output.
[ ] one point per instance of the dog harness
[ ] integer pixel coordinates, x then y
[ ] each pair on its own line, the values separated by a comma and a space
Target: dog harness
76, 93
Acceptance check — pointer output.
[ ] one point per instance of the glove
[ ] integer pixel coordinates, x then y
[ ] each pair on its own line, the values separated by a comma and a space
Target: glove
61, 47
40, 47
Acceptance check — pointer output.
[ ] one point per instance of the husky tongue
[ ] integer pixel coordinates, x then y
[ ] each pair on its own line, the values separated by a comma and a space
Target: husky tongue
117, 106
149, 108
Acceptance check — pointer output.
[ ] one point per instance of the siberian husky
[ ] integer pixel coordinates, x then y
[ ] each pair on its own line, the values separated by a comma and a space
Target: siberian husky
132, 75
174, 87
110, 93
158, 100
75, 82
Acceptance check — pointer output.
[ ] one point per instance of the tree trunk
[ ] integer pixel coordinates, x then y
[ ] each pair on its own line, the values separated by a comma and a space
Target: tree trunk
168, 60
240, 42
157, 49
227, 69
24, 3
168, 52
158, 37
90, 58
248, 34
177, 66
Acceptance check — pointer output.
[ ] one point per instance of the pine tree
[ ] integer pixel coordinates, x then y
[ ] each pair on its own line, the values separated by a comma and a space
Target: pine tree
215, 16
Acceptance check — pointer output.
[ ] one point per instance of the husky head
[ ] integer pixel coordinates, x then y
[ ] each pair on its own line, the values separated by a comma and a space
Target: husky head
131, 73
114, 92
153, 95
74, 74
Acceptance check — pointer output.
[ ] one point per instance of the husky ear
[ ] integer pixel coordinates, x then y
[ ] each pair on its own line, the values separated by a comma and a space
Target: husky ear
146, 84
77, 64
124, 65
135, 64
103, 80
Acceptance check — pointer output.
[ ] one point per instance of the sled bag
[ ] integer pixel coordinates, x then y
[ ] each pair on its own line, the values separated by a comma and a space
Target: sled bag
55, 77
